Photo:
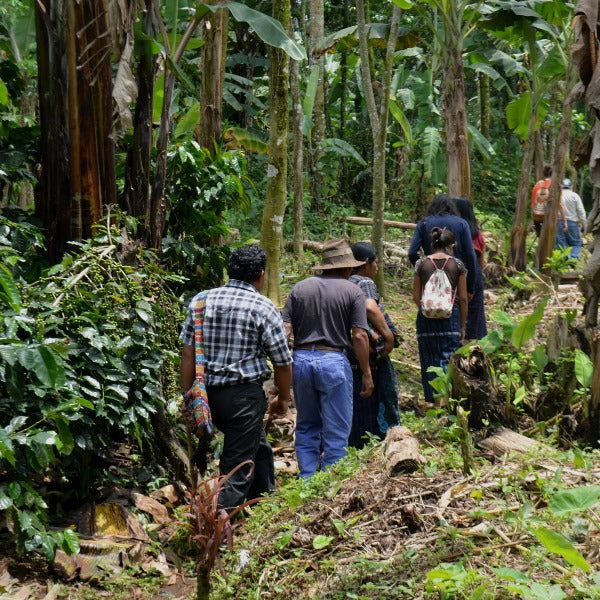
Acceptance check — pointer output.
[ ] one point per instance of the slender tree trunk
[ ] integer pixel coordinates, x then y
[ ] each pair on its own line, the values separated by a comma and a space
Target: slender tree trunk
214, 54
592, 406
484, 104
548, 234
137, 175
298, 174
455, 110
272, 222
378, 117
539, 159
316, 32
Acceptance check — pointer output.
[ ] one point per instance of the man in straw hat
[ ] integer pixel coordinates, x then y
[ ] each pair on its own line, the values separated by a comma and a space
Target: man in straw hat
327, 315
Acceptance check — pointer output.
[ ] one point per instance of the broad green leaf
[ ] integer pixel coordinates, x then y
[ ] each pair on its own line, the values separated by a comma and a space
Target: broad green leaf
45, 437
512, 574
431, 146
71, 542
189, 121
540, 358
157, 100
3, 93
322, 541
46, 368
545, 592
5, 501
481, 142
575, 499
399, 115
65, 435
485, 69
518, 113
552, 66
342, 148
584, 369
403, 4
311, 90
6, 447
554, 542
492, 341
8, 289
525, 328
268, 29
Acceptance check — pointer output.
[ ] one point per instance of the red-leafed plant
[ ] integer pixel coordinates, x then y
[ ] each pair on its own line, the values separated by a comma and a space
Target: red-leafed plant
211, 527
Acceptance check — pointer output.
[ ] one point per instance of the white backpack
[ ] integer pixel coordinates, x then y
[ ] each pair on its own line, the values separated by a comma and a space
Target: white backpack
437, 300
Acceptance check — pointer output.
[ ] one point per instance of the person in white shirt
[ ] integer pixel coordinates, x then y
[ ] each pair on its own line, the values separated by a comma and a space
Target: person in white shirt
575, 217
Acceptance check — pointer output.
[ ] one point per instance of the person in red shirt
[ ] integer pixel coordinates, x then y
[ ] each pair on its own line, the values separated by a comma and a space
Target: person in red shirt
544, 183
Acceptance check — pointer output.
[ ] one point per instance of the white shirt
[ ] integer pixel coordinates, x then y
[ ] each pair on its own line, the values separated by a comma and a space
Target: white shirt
574, 210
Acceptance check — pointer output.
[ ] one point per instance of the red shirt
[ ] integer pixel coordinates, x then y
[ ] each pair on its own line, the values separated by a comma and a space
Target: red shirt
536, 188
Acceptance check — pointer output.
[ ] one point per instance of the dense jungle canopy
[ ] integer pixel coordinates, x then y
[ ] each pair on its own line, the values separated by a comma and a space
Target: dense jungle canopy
141, 140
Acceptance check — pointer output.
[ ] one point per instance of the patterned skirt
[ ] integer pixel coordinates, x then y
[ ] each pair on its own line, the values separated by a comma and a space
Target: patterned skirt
438, 340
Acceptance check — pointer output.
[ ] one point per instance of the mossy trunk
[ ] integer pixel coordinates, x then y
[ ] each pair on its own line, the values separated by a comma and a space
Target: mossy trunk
203, 583
272, 221
298, 174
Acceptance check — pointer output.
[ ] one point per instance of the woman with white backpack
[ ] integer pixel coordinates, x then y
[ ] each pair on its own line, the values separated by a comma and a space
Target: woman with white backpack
440, 292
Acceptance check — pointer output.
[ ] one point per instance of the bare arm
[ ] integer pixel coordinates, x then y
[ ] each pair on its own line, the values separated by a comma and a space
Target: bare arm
360, 345
288, 329
283, 381
417, 290
188, 367
376, 318
462, 305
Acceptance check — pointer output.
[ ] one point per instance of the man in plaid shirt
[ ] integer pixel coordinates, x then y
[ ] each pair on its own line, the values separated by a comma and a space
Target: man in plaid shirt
241, 328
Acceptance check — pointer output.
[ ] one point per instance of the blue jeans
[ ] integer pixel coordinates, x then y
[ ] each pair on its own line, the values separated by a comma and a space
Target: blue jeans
569, 238
323, 396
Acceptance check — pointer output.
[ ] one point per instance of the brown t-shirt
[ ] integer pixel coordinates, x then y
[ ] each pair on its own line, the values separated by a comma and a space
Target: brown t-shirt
454, 268
323, 310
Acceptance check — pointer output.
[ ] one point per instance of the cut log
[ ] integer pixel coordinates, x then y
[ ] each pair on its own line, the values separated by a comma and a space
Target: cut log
369, 221
402, 451
504, 441
306, 244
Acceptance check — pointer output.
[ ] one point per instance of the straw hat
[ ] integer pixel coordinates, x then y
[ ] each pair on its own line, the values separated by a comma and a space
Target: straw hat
337, 254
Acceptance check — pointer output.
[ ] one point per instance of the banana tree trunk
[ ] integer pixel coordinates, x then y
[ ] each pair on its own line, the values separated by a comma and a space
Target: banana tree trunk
298, 174
518, 235
272, 221
455, 111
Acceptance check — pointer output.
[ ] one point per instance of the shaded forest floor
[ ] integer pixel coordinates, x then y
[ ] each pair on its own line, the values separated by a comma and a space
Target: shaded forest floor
355, 532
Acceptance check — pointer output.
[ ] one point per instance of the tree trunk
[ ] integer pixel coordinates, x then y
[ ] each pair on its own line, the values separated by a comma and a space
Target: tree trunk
298, 174
202, 583
137, 175
455, 112
548, 234
484, 104
214, 54
272, 221
539, 160
378, 117
77, 153
518, 235
316, 32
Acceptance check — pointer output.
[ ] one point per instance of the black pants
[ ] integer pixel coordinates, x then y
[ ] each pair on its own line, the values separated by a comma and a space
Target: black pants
238, 411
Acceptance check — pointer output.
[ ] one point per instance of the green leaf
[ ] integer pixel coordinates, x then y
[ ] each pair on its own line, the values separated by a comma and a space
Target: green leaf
540, 358
268, 29
403, 4
71, 542
575, 499
189, 121
3, 93
554, 542
309, 97
481, 142
322, 541
65, 435
584, 369
8, 289
511, 574
525, 328
6, 448
5, 501
399, 115
543, 592
492, 341
45, 437
518, 113
342, 148
431, 146
46, 368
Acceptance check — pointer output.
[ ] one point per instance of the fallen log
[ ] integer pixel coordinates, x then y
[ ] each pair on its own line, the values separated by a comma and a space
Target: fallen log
306, 244
504, 441
369, 221
402, 452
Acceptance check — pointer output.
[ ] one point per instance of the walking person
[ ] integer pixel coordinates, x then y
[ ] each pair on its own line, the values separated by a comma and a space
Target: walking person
476, 322
327, 316
540, 194
378, 412
574, 218
439, 338
442, 213
241, 329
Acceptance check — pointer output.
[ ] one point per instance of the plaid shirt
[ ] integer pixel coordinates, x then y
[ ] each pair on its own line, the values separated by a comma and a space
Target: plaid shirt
241, 328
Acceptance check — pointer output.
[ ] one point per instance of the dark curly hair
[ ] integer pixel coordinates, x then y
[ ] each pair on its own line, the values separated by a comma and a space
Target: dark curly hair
441, 204
441, 239
247, 263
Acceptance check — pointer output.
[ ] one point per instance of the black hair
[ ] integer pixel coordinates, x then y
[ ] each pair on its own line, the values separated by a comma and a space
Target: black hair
465, 210
441, 205
247, 263
547, 171
364, 251
441, 239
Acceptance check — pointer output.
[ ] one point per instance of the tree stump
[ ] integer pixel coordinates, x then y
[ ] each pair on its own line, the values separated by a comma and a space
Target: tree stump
472, 383
402, 452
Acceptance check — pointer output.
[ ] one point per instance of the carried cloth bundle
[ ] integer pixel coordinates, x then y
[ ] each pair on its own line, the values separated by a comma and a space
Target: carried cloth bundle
195, 401
376, 339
